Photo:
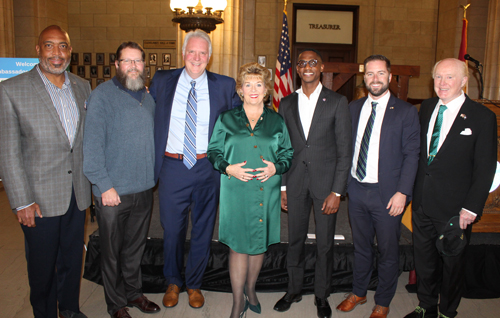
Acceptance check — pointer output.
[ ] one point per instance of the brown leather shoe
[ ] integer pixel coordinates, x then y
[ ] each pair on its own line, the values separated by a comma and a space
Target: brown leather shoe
379, 312
121, 313
171, 297
350, 302
144, 305
196, 299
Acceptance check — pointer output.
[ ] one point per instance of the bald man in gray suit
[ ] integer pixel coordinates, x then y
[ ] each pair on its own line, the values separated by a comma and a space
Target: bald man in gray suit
42, 117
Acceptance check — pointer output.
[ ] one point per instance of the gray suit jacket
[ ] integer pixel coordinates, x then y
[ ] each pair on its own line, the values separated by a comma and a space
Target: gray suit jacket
37, 163
326, 153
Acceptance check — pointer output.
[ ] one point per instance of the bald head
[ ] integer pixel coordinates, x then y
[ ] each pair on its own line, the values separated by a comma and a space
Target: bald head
52, 28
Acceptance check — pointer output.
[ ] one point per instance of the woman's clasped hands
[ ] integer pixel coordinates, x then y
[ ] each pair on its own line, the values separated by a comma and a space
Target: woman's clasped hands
245, 174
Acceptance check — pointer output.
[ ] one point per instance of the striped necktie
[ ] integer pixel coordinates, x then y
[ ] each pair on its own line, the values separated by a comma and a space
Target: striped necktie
365, 144
433, 147
189, 152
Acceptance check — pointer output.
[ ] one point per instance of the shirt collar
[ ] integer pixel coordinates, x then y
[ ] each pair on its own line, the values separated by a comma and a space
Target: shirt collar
199, 81
316, 91
47, 82
382, 101
456, 103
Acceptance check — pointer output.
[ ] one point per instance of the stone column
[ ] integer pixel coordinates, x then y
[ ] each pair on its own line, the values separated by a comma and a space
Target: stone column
7, 39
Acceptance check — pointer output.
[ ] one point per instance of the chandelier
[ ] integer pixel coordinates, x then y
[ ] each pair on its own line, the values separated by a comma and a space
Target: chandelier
193, 14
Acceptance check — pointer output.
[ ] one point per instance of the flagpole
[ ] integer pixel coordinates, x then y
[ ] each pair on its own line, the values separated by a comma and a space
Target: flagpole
463, 44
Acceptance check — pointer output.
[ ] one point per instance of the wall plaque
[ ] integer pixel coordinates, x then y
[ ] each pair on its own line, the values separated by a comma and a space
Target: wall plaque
159, 44
317, 26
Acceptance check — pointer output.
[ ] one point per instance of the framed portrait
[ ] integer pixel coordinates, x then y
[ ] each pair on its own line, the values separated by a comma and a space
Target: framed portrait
74, 58
112, 58
93, 71
99, 81
99, 58
148, 71
261, 59
80, 71
106, 71
166, 58
153, 57
87, 58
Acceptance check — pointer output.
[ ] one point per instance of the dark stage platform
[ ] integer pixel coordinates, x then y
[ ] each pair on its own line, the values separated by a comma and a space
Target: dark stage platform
483, 267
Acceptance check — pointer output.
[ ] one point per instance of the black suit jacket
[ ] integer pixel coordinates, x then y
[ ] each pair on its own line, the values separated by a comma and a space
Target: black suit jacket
399, 146
461, 174
326, 153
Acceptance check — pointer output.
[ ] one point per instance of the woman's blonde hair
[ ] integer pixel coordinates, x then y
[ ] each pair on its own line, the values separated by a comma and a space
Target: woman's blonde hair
253, 70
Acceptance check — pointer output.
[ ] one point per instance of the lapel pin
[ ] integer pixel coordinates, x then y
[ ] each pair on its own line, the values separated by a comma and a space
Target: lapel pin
324, 99
463, 116
391, 107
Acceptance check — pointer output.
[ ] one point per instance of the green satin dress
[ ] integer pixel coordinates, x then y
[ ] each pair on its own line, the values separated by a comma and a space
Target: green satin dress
249, 218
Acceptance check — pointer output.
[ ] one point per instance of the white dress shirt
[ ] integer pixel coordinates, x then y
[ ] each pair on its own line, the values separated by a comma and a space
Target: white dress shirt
307, 105
373, 149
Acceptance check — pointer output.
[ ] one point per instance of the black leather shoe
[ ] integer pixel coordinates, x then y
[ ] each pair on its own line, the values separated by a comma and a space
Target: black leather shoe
420, 312
286, 302
324, 310
71, 314
144, 304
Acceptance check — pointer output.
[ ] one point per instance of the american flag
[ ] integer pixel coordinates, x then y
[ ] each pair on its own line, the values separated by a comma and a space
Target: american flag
283, 85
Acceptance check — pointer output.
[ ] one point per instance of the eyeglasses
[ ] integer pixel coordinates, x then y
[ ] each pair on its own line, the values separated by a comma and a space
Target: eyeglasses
302, 63
128, 62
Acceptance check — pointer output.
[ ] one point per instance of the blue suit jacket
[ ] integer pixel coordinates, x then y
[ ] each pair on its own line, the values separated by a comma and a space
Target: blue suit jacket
399, 146
223, 97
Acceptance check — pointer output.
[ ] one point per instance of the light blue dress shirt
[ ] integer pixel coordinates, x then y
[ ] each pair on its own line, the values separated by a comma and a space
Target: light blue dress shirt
175, 141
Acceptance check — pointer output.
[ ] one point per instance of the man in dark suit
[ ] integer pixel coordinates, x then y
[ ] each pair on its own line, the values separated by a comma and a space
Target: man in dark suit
186, 178
386, 144
458, 143
42, 117
320, 130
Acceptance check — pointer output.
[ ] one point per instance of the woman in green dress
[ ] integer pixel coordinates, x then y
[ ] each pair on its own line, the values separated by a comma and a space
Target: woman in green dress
251, 148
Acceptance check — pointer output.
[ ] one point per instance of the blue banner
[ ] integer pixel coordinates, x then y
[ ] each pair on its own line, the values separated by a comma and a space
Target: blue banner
10, 67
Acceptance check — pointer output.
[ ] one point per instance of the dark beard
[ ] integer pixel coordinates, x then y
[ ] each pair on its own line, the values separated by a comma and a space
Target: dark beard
380, 92
132, 84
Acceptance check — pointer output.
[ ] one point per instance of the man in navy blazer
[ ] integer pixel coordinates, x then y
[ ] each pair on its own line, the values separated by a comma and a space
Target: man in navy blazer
386, 145
453, 179
187, 180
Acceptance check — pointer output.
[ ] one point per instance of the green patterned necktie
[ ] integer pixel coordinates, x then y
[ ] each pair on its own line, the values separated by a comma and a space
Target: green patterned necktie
365, 144
433, 147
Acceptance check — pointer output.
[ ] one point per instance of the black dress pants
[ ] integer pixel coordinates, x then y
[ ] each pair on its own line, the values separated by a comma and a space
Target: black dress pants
440, 279
299, 211
54, 253
123, 232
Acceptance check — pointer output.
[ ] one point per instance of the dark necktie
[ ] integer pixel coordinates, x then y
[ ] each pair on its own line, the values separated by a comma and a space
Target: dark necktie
433, 147
365, 144
189, 151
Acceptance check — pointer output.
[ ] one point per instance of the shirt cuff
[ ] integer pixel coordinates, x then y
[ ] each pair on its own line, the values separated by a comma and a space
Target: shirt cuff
283, 188
24, 206
470, 212
336, 194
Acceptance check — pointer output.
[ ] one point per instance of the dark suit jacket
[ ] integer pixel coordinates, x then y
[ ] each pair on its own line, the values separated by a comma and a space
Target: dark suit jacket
222, 93
326, 154
37, 162
461, 174
399, 146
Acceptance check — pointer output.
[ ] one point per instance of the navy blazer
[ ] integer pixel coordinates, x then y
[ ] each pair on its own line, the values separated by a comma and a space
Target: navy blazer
461, 174
223, 96
399, 146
